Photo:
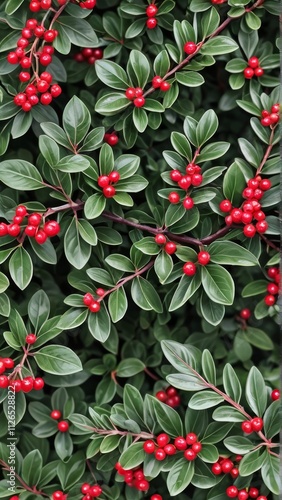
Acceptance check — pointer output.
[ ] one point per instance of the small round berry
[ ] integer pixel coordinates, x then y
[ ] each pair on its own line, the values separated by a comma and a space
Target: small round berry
45, 59
269, 300
272, 272
151, 23
156, 496
111, 139
191, 438
94, 306
114, 176
261, 226
34, 219
197, 447
170, 449
51, 228
100, 292
55, 414
26, 106
265, 184
63, 426
109, 191
2, 367
160, 239
234, 473
225, 206
16, 384
216, 469
189, 268
156, 81
185, 182
55, 90
203, 258
165, 86
161, 396
58, 495
151, 10
226, 465
246, 427
253, 492
253, 62
130, 93
142, 485
27, 384
25, 62
248, 73
272, 288
38, 383
162, 439
139, 101
3, 229
249, 230
46, 98
85, 487
259, 72
257, 424
4, 381
259, 215
266, 121
188, 203
245, 313
274, 118
95, 491
243, 495
149, 446
138, 474
180, 443
173, 401
190, 454
49, 36
103, 181
30, 230
262, 497
275, 395
13, 229
171, 391
174, 197
24, 76
170, 247
197, 179
236, 215
247, 217
40, 237
175, 175
190, 47
232, 491
21, 210
160, 454
31, 338
12, 58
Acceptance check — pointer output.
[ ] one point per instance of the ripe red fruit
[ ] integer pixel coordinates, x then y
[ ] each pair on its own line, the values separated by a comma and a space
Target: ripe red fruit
4, 381
49, 35
249, 230
247, 217
234, 473
191, 438
95, 491
248, 73
55, 90
58, 495
197, 179
38, 383
225, 206
266, 121
243, 495
173, 197
51, 228
259, 71
190, 47
253, 62
197, 447
161, 396
173, 401
257, 424
203, 258
16, 384
3, 229
130, 93
13, 229
31, 338
189, 268
170, 247
94, 306
175, 175
216, 469
160, 454
63, 426
253, 492
100, 292
188, 202
269, 300
40, 237
55, 414
88, 299
162, 439
259, 215
165, 86
170, 449
142, 485
236, 215
185, 182
24, 76
265, 184
109, 191
246, 427
156, 81
160, 239
103, 181
151, 10
21, 210
272, 288
261, 226
245, 313
12, 58
232, 491
139, 101
180, 443
156, 496
17, 219
151, 23
30, 230
190, 454
34, 219
262, 497
111, 139
114, 176
275, 395
226, 465
149, 446
46, 98
85, 487
272, 272
2, 367
25, 62
27, 384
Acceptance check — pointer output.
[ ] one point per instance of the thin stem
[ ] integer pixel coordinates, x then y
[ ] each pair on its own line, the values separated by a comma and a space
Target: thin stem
151, 374
267, 152
21, 481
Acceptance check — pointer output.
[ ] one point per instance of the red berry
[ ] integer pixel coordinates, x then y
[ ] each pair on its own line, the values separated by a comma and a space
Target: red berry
275, 395
203, 258
112, 139
257, 424
173, 401
156, 82
17, 219
247, 217
174, 197
100, 292
225, 206
30, 230
27, 384
234, 473
262, 497
63, 426
161, 396
34, 219
261, 226
2, 367
269, 300
160, 239
188, 202
266, 121
165, 86
190, 47
274, 118
170, 449
162, 439
16, 384
85, 487
149, 446
272, 272
245, 314
226, 465
142, 485
259, 215
160, 454
253, 62
156, 496
25, 62
114, 176
170, 247
151, 23
265, 184
191, 438
55, 90
31, 338
197, 447
95, 491
55, 414
151, 10
232, 491
46, 98
259, 71
236, 215
248, 73
45, 59
24, 76
253, 492
216, 469
94, 306
249, 230
4, 382
109, 191
3, 229
58, 495
130, 93
88, 299
49, 36
38, 383
243, 495
40, 237
190, 454
185, 182
21, 210
246, 427
12, 58
180, 443
139, 101
13, 229
45, 4
175, 175
189, 268
22, 43
272, 288
103, 181
197, 179
51, 228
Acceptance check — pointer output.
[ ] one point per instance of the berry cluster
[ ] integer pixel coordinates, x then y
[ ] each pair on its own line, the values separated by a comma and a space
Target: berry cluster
105, 182
170, 397
151, 12
163, 448
189, 48
193, 177
59, 495
40, 234
25, 384
63, 425
159, 83
90, 56
244, 494
253, 68
253, 425
133, 477
37, 5
271, 117
272, 288
135, 95
226, 466
111, 138
90, 492
168, 246
93, 304
250, 213
190, 268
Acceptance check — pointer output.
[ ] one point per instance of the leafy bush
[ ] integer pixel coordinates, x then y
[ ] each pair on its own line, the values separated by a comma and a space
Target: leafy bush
139, 249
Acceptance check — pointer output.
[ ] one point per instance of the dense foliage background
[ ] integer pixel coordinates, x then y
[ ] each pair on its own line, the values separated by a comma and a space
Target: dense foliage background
139, 232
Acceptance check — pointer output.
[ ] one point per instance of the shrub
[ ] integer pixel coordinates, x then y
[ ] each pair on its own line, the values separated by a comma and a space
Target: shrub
139, 249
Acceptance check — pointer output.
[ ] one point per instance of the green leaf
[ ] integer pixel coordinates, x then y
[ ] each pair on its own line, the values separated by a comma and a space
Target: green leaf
168, 419
133, 404
132, 456
76, 120
21, 268
181, 145
145, 296
270, 473
72, 164
256, 393
138, 67
120, 262
205, 399
251, 462
231, 383
163, 266
161, 63
179, 476
253, 21
31, 468
79, 31
184, 357
185, 290
117, 304
77, 250
213, 151
206, 127
216, 432
94, 205
38, 309
271, 420
49, 149
189, 78
230, 253
258, 338
235, 181
4, 282
227, 414
208, 367
209, 453
219, 45
174, 213
112, 75
254, 288
251, 153
129, 367
21, 124
218, 284
99, 324
21, 175
58, 360
112, 103
212, 312
239, 444
140, 119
